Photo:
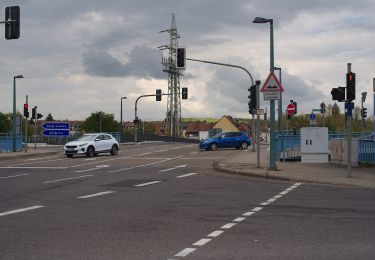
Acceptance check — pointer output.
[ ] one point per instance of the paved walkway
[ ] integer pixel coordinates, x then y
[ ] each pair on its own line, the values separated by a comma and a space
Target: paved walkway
327, 173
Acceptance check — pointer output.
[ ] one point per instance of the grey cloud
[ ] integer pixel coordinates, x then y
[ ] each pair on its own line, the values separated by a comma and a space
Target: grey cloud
143, 62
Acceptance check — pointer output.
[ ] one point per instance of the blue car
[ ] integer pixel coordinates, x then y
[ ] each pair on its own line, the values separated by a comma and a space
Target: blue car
226, 140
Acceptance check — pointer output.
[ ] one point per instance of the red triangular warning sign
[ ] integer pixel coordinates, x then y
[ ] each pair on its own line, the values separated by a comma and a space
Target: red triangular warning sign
272, 84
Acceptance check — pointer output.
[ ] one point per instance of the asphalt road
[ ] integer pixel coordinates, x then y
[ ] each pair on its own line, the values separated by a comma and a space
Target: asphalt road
164, 201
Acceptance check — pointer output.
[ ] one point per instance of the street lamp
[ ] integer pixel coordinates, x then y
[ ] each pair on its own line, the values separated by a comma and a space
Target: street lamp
272, 162
121, 118
280, 102
14, 130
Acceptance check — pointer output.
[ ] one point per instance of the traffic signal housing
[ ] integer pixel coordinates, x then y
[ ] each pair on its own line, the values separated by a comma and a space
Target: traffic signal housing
364, 113
26, 110
338, 94
181, 58
322, 108
252, 99
33, 113
39, 116
184, 93
350, 86
12, 28
158, 95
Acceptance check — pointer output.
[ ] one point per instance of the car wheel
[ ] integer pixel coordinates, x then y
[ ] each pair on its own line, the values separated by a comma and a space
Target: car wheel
213, 147
69, 155
244, 146
90, 152
114, 150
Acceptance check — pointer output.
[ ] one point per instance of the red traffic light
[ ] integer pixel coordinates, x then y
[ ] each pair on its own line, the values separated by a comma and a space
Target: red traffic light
25, 106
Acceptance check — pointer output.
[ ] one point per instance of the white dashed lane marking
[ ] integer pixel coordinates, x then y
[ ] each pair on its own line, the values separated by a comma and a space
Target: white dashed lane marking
237, 220
19, 210
147, 183
68, 179
13, 176
186, 175
95, 195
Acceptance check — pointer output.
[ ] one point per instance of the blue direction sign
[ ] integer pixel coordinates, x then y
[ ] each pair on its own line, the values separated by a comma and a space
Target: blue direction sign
56, 125
50, 132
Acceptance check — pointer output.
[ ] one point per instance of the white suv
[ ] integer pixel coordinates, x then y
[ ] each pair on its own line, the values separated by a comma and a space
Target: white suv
91, 145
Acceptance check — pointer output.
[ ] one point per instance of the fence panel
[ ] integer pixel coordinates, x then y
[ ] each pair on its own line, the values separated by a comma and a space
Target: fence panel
366, 151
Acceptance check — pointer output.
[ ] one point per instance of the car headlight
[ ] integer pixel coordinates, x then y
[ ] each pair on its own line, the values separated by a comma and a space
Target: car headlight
81, 145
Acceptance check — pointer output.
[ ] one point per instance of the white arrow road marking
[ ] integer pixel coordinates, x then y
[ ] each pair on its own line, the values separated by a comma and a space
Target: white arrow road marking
174, 168
93, 169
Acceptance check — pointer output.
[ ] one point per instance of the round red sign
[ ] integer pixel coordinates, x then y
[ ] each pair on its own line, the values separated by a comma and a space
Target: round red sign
290, 109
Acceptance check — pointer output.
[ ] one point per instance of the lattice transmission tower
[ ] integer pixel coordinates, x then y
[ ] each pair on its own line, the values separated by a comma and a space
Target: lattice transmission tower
173, 116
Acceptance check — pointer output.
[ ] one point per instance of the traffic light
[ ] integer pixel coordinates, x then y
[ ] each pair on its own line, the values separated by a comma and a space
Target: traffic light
265, 116
184, 93
180, 58
252, 99
158, 95
364, 112
39, 116
33, 113
350, 86
338, 94
12, 28
26, 110
295, 107
322, 108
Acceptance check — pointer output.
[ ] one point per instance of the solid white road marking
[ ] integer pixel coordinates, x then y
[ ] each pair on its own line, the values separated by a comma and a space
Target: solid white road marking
19, 210
35, 159
16, 165
185, 252
228, 225
202, 242
33, 167
215, 233
95, 195
186, 175
147, 183
13, 176
174, 168
67, 179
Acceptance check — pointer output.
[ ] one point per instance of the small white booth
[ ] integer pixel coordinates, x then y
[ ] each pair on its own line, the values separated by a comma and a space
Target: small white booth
314, 144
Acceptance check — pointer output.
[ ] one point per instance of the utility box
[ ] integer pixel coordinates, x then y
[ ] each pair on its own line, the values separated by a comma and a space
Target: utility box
314, 144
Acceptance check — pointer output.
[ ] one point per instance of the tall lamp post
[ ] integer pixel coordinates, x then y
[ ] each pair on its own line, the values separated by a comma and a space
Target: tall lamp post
121, 119
272, 162
280, 103
14, 128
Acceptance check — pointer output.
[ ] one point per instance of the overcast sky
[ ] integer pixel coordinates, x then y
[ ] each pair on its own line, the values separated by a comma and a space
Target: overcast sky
78, 56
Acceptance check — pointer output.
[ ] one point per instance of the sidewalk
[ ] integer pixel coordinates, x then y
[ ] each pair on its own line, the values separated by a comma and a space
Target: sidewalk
244, 163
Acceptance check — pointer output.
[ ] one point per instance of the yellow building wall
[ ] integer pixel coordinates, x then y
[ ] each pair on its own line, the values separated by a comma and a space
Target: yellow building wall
225, 125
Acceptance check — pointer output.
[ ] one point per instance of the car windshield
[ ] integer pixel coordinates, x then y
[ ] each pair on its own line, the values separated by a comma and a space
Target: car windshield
86, 138
217, 135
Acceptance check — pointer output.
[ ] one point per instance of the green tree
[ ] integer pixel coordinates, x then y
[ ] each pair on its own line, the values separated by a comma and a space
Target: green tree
49, 118
5, 124
100, 122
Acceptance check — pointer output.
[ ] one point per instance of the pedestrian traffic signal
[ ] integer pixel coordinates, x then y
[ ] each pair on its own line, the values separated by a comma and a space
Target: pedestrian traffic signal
350, 86
364, 112
158, 95
338, 94
33, 113
252, 99
12, 22
184, 93
180, 58
26, 110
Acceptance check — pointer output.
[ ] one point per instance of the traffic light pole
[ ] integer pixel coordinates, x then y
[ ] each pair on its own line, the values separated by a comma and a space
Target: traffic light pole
349, 127
27, 102
135, 113
35, 122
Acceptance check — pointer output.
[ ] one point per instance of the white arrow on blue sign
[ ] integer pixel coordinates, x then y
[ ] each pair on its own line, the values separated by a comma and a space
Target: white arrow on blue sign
56, 125
53, 132
312, 116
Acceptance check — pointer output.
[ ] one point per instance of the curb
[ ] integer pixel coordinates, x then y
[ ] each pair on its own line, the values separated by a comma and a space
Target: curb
27, 155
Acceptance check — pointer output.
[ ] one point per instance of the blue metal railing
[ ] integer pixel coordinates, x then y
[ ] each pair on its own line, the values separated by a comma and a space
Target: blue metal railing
366, 151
